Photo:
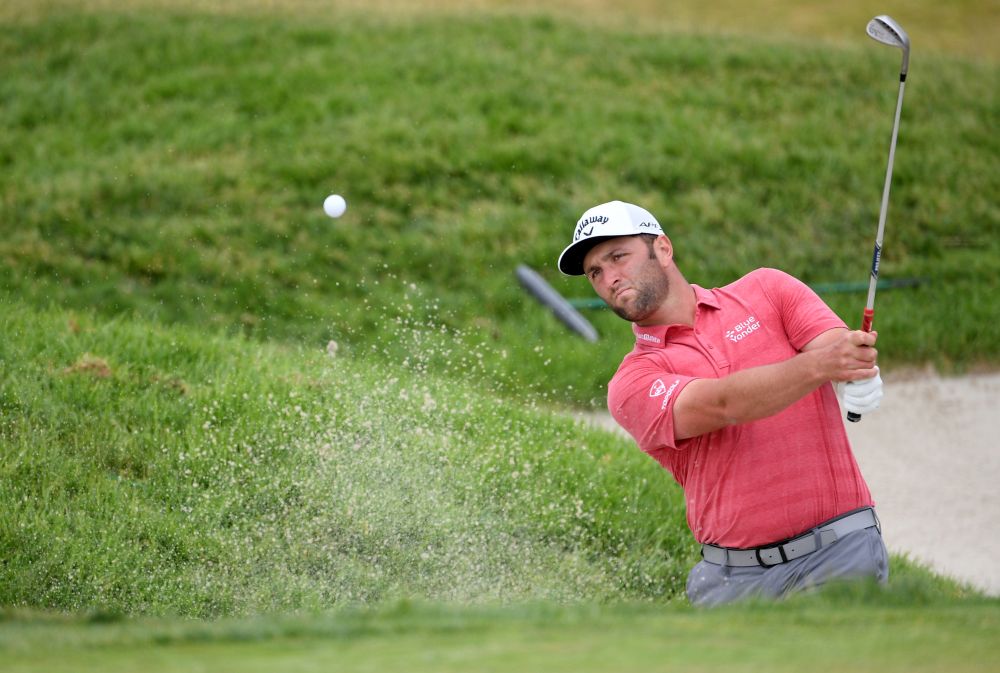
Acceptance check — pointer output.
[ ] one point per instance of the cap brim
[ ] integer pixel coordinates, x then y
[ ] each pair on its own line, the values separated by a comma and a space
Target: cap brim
571, 259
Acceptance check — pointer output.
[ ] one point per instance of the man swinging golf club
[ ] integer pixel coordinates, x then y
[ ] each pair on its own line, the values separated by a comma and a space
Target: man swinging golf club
731, 390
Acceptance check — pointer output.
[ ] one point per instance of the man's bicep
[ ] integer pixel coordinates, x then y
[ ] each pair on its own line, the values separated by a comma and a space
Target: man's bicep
699, 409
824, 338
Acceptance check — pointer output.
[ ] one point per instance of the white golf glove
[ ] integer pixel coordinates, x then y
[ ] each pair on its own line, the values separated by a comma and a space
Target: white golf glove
862, 397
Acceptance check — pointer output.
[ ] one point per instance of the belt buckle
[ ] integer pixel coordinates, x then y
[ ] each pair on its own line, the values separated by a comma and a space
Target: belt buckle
760, 559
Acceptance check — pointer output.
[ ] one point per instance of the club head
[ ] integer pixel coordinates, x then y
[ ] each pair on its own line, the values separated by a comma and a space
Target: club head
884, 29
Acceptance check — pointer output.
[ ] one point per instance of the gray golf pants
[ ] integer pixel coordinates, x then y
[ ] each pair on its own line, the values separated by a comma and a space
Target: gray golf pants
857, 555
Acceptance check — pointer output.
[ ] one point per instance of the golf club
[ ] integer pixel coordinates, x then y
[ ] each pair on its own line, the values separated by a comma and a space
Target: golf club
562, 309
884, 29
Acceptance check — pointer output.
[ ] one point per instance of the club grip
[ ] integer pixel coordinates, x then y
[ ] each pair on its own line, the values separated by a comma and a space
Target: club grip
867, 319
866, 326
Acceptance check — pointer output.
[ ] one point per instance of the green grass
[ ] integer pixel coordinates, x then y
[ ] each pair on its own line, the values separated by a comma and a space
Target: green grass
959, 27
815, 633
147, 470
150, 473
172, 165
188, 478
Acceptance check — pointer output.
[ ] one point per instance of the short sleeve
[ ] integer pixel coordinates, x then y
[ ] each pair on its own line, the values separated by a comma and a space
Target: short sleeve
803, 314
641, 399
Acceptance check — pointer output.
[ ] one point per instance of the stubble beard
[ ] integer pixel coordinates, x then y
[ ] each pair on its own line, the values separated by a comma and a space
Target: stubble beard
651, 290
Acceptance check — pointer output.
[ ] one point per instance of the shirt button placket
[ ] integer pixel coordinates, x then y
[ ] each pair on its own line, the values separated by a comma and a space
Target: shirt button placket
710, 350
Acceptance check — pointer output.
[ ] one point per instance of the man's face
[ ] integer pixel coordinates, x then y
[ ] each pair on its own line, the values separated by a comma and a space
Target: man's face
628, 276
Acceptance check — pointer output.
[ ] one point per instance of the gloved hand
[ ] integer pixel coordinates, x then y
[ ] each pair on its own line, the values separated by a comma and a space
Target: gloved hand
862, 397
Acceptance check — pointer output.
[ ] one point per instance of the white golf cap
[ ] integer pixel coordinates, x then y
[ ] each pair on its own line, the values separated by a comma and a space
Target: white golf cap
608, 220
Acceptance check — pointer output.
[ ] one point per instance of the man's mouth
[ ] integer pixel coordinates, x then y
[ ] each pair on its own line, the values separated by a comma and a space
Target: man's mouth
619, 292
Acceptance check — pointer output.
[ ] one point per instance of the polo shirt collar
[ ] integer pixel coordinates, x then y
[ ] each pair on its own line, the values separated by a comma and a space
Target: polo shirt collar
655, 336
705, 297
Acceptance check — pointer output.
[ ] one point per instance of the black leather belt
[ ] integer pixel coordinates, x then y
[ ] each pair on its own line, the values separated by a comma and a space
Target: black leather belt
803, 545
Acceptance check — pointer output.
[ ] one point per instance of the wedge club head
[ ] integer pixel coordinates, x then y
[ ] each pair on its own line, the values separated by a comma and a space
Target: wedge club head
884, 29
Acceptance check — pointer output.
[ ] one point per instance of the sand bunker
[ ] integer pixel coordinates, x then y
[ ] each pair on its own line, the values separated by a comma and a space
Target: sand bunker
931, 455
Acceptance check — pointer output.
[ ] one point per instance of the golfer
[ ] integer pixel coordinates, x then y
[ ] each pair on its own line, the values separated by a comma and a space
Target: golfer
732, 391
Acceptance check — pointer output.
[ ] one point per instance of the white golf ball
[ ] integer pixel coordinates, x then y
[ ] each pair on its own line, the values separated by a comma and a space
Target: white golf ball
334, 205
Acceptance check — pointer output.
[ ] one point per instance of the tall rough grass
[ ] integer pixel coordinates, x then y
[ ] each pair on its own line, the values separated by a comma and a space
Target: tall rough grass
151, 470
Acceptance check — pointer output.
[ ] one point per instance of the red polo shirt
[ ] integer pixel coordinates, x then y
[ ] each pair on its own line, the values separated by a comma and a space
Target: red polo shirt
759, 482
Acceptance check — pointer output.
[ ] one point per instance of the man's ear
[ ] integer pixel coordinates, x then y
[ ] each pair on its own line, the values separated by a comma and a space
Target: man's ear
664, 249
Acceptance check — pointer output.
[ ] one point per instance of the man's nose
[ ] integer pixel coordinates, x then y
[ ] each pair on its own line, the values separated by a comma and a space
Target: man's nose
611, 280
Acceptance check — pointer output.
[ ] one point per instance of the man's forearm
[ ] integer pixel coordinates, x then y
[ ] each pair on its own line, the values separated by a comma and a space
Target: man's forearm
710, 404
706, 405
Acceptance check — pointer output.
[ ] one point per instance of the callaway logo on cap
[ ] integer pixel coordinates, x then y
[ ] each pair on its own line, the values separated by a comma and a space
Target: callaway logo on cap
608, 220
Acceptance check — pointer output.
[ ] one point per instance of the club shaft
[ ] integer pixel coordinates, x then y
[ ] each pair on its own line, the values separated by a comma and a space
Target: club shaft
869, 313
877, 254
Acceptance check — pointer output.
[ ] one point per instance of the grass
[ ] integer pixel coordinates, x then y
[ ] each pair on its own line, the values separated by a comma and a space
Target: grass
961, 27
817, 632
191, 476
183, 182
152, 475
148, 470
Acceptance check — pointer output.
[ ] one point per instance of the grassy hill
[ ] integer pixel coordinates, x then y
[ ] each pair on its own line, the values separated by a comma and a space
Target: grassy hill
172, 164
150, 470
172, 499
215, 402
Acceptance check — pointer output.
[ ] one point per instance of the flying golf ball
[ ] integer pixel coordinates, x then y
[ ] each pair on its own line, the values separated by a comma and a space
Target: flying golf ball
334, 205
